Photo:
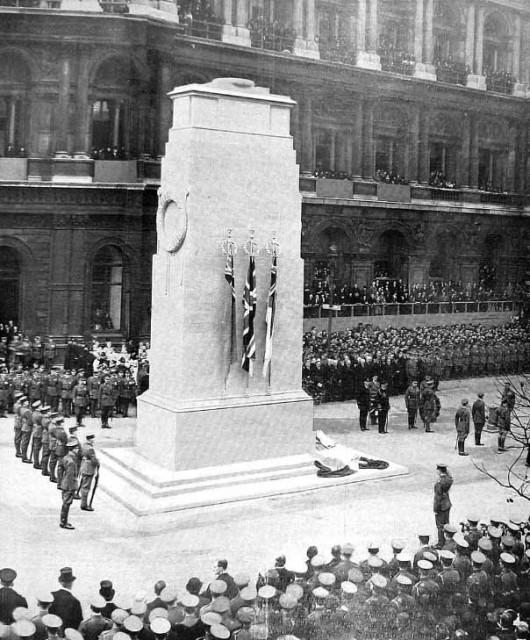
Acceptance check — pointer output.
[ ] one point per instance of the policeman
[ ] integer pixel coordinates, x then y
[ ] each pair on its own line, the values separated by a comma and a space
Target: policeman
89, 467
68, 481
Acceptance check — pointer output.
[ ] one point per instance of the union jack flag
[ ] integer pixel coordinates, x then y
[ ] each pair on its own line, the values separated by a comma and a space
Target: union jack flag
269, 318
249, 305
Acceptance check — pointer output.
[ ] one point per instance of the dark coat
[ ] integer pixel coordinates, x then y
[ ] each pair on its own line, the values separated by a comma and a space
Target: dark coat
9, 601
442, 501
68, 608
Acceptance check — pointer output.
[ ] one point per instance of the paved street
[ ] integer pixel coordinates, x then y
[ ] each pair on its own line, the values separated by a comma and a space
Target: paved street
251, 535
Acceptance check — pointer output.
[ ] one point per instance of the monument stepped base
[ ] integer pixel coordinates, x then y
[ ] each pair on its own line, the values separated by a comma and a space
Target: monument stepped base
155, 497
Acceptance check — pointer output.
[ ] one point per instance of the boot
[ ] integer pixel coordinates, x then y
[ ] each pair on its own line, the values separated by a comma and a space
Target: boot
500, 443
461, 451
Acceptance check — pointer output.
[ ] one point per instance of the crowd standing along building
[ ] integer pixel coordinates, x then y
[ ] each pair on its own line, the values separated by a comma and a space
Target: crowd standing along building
411, 133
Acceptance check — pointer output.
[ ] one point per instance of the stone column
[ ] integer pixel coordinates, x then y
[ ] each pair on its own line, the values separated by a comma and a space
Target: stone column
473, 151
368, 140
12, 114
519, 88
424, 156
333, 150
361, 26
510, 179
63, 105
83, 108
367, 57
304, 44
418, 32
357, 142
307, 135
414, 144
423, 46
164, 105
475, 79
470, 37
462, 161
522, 159
238, 33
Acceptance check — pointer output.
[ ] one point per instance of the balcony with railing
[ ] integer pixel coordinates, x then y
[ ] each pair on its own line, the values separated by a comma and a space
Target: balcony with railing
336, 49
408, 309
451, 71
397, 61
499, 81
271, 35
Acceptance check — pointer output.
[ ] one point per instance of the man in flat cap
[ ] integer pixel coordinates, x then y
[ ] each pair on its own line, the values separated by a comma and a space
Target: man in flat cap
65, 604
68, 481
442, 502
9, 598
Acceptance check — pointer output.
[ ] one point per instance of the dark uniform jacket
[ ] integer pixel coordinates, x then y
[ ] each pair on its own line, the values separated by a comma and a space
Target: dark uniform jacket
478, 411
69, 477
68, 608
442, 501
9, 601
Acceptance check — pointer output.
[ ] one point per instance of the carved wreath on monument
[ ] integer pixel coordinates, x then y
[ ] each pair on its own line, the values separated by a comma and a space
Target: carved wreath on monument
171, 220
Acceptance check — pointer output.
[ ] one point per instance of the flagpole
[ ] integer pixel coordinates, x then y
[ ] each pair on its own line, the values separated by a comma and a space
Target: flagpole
229, 248
249, 317
273, 249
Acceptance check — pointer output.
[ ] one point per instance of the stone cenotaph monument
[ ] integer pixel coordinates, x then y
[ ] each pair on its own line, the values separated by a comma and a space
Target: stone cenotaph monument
206, 429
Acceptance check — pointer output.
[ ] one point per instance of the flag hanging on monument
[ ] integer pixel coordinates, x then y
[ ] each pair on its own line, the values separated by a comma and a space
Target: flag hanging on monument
230, 278
249, 305
269, 318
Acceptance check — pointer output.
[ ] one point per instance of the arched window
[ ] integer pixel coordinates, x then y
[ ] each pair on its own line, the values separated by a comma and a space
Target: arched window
497, 44
9, 285
107, 290
390, 129
449, 33
115, 107
14, 90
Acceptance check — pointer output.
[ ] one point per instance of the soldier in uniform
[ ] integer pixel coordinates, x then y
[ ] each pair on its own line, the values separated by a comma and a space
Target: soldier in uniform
58, 439
37, 433
478, 414
478, 583
106, 401
473, 535
128, 388
462, 421
67, 383
20, 398
442, 501
362, 397
5, 384
53, 392
461, 562
93, 384
383, 407
46, 422
89, 467
506, 584
449, 533
503, 422
92, 627
26, 421
412, 403
426, 590
81, 398
68, 481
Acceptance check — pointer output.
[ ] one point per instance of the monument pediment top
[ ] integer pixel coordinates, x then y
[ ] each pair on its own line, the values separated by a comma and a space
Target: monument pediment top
232, 88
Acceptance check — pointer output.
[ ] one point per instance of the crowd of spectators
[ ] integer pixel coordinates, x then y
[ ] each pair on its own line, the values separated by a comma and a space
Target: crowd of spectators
337, 48
199, 19
320, 172
500, 81
491, 187
390, 177
273, 36
474, 586
439, 180
395, 59
449, 70
110, 153
390, 291
336, 366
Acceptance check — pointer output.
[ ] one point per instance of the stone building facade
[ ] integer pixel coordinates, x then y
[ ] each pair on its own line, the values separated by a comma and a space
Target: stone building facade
411, 132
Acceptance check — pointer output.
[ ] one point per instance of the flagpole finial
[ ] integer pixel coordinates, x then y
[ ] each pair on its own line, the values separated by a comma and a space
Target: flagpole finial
228, 246
273, 246
251, 246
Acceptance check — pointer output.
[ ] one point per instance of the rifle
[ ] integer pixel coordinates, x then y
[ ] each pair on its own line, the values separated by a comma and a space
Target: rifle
94, 487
